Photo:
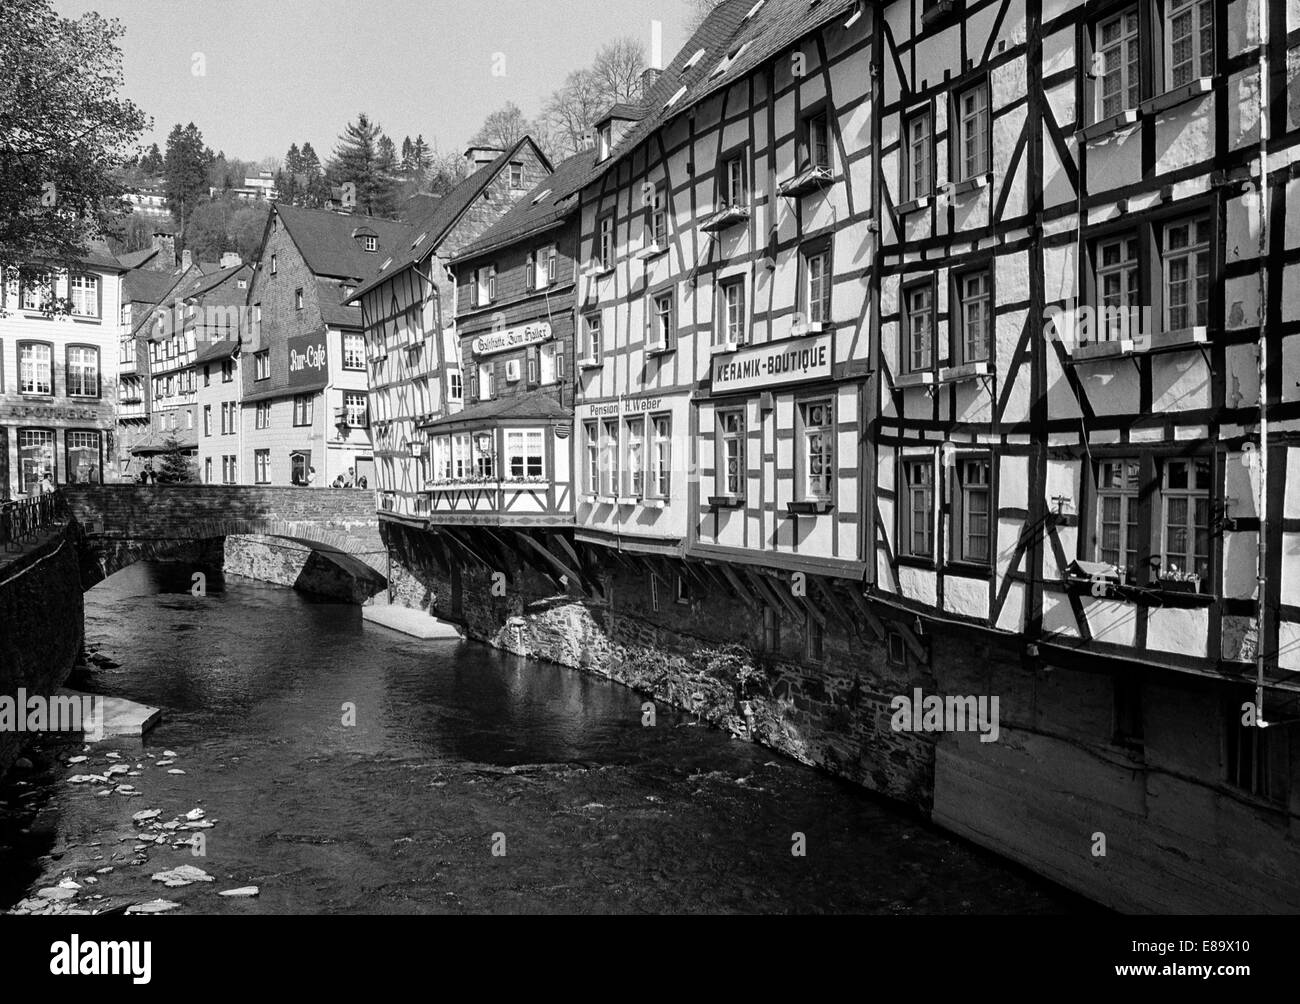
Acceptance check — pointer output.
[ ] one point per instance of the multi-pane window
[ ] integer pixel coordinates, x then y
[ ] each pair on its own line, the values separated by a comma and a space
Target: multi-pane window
455, 386
355, 405
771, 630
550, 363
35, 368
818, 454
461, 456
524, 453
661, 321
973, 497
593, 337
485, 373
731, 479
37, 291
544, 267
1187, 273
609, 474
371, 243
661, 455
299, 465
36, 458
918, 351
516, 175
814, 649
975, 321
817, 290
207, 420
262, 415
592, 432
1189, 35
262, 467
262, 365
734, 190
484, 289
227, 370
633, 457
83, 457
973, 132
1117, 64
1185, 501
733, 312
920, 147
1118, 287
228, 469
917, 508
817, 144
354, 352
303, 409
83, 292
606, 249
658, 212
1117, 515
83, 371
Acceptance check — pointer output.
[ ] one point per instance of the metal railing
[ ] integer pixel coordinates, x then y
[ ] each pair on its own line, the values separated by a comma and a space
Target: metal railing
21, 520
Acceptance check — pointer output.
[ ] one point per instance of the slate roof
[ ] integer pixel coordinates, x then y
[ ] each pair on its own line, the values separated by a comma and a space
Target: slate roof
626, 111
532, 404
329, 295
443, 216
328, 245
199, 283
550, 202
134, 259
223, 349
418, 206
142, 285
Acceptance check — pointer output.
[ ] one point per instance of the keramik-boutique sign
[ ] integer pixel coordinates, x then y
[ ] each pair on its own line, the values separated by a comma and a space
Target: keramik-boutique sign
511, 338
789, 360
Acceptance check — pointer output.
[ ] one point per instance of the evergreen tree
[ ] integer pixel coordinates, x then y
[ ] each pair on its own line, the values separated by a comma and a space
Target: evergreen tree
152, 162
359, 159
408, 165
174, 467
421, 156
293, 160
185, 171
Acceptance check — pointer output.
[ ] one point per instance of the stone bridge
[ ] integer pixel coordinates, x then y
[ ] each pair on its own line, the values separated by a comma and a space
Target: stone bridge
123, 524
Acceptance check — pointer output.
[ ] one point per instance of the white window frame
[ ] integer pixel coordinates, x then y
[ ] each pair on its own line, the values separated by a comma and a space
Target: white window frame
1190, 496
660, 428
975, 320
972, 142
1195, 254
1126, 49
918, 486
817, 439
1119, 480
731, 475
1200, 61
1119, 287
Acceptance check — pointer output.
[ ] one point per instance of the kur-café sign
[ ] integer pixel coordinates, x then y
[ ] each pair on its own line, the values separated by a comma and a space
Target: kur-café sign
786, 361
307, 360
511, 338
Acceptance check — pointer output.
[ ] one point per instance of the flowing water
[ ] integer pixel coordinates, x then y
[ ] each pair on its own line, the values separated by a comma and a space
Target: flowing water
457, 751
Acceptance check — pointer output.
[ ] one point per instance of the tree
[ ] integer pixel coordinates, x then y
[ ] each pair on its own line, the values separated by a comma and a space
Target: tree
446, 171
700, 10
185, 172
174, 467
618, 69
64, 132
247, 225
503, 128
357, 159
152, 162
420, 155
569, 115
209, 230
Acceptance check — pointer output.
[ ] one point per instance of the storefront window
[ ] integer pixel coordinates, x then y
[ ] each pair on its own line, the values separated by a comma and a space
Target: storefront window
35, 459
83, 457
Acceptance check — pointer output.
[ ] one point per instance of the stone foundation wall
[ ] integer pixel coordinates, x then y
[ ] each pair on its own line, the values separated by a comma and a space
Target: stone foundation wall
285, 563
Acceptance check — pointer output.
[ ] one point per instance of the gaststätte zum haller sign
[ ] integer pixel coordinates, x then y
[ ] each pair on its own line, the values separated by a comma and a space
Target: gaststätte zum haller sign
787, 361
511, 338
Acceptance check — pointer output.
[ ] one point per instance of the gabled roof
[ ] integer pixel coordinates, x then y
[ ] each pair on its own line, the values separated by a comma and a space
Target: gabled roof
531, 404
550, 202
134, 259
418, 206
199, 283
143, 285
223, 349
625, 111
325, 239
329, 296
435, 225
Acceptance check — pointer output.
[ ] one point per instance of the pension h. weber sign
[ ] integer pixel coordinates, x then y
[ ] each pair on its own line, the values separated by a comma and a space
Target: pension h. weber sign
789, 360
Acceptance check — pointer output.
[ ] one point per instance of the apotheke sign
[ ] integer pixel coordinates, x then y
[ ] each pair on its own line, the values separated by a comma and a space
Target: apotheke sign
307, 360
511, 338
788, 361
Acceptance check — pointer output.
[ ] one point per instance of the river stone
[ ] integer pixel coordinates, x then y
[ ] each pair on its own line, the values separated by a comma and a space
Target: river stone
147, 814
56, 892
153, 906
247, 890
78, 759
195, 814
175, 771
182, 875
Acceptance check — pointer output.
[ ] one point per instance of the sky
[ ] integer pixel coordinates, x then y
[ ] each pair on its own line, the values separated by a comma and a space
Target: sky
276, 72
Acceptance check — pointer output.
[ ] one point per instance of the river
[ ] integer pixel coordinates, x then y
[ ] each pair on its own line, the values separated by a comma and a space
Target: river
457, 751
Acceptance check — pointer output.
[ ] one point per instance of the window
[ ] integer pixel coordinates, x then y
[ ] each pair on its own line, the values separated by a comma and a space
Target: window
371, 243
516, 175
189, 420
262, 365
83, 292
207, 470
83, 371
609, 476
455, 387
461, 457
303, 408
1185, 536
919, 327
657, 219
633, 457
83, 465
815, 645
227, 370
593, 337
485, 372
605, 250
37, 291
207, 420
207, 375
299, 465
1118, 287
917, 165
917, 509
731, 478
606, 140
1187, 273
1117, 63
355, 404
273, 265
681, 590
972, 145
228, 469
262, 467
550, 363
591, 432
35, 368
354, 352
542, 268
297, 299
1117, 515
973, 295
732, 306
661, 456
771, 630
484, 460
817, 288
816, 150
1256, 759
262, 415
525, 453
818, 453
35, 459
1189, 40
484, 290
735, 192
971, 516
661, 322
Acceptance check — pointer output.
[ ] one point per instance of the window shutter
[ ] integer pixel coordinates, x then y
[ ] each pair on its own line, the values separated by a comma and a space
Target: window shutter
473, 289
530, 278
532, 366
559, 364
473, 385
492, 283
670, 337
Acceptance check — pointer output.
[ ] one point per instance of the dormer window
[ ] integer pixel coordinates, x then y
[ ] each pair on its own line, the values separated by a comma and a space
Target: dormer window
606, 140
516, 176
370, 242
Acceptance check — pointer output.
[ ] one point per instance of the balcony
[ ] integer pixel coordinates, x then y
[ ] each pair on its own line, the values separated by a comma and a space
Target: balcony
810, 179
725, 218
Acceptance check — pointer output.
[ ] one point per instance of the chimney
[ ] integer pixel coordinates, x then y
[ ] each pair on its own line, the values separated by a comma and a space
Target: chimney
480, 155
649, 78
187, 260
165, 260
230, 258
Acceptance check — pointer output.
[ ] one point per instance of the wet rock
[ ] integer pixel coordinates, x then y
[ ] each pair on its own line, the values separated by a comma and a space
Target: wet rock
164, 763
22, 763
113, 756
87, 779
246, 890
195, 814
182, 875
104, 871
153, 906
175, 771
146, 815
55, 892
169, 753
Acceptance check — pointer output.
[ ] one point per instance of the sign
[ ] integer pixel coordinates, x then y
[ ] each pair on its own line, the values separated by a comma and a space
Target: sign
308, 362
789, 360
511, 338
52, 413
624, 406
